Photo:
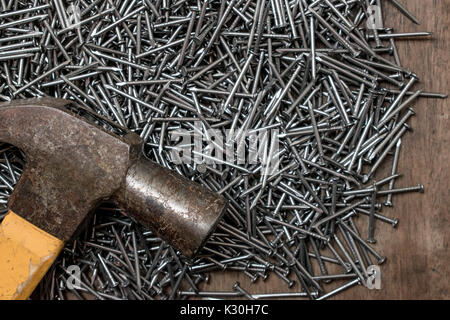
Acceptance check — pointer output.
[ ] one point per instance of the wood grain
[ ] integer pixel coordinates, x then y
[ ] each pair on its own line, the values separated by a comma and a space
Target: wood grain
417, 265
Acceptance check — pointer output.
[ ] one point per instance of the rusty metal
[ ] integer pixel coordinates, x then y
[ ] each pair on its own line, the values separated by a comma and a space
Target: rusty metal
74, 163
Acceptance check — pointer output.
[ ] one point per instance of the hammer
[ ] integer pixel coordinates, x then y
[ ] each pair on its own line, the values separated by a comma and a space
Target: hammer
76, 159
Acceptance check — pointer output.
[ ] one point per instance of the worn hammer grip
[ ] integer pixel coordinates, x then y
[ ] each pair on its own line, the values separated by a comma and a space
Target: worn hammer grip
180, 211
26, 253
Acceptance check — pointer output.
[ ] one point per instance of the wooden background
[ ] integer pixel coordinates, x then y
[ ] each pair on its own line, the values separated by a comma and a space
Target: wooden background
417, 265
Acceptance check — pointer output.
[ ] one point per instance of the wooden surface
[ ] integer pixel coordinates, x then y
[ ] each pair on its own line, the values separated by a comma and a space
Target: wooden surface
417, 265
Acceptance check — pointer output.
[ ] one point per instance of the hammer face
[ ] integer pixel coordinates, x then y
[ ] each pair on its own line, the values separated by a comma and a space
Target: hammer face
180, 211
71, 165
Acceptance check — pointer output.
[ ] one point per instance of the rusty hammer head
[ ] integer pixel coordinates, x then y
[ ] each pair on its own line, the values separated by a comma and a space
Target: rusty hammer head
76, 159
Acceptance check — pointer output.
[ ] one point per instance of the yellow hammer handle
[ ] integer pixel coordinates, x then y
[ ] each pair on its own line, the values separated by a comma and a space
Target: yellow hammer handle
26, 253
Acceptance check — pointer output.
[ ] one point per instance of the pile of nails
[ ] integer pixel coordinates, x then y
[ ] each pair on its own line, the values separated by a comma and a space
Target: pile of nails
331, 83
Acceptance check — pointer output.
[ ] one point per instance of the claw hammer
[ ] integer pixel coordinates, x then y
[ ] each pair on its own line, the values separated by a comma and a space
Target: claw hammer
74, 160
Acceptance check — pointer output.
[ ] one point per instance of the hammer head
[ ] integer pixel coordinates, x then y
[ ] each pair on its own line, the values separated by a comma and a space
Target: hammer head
76, 159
